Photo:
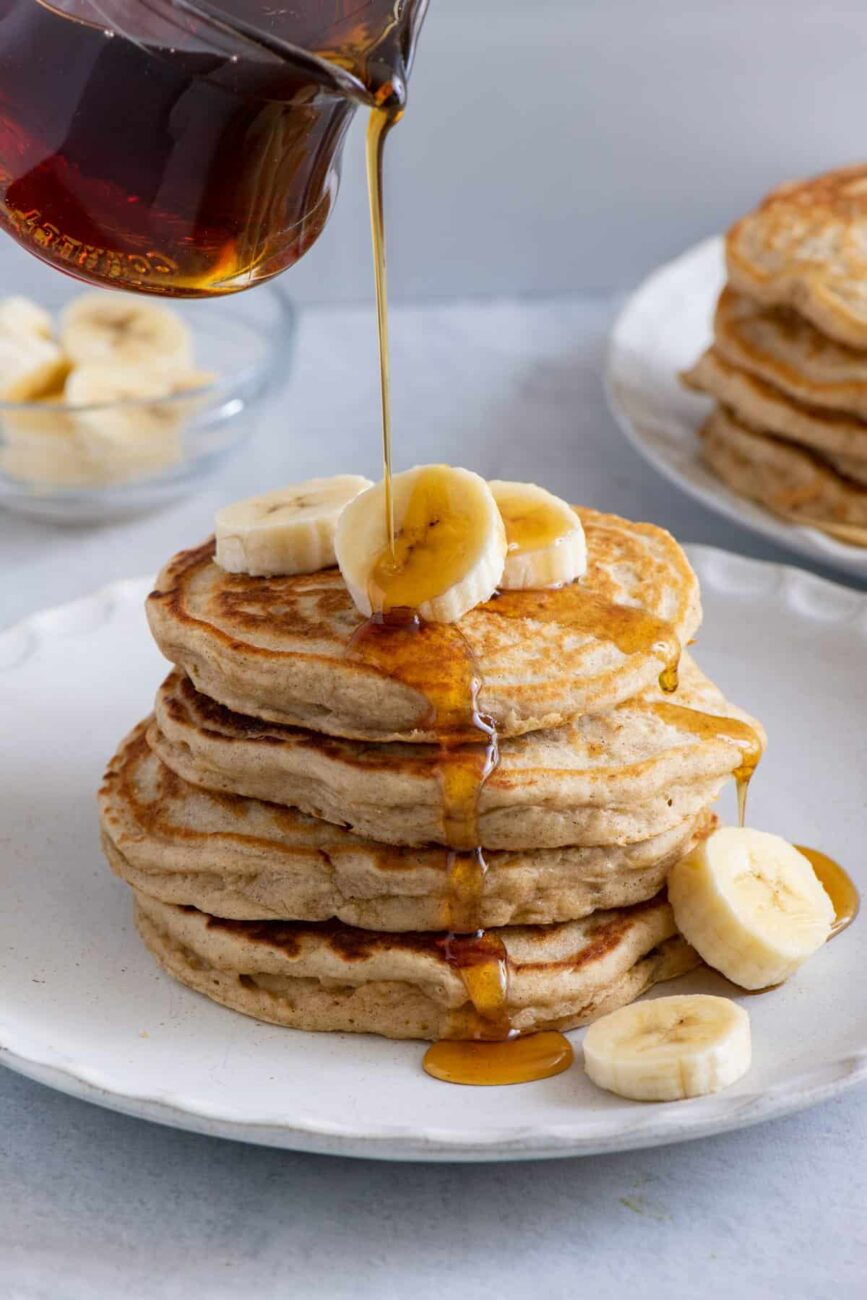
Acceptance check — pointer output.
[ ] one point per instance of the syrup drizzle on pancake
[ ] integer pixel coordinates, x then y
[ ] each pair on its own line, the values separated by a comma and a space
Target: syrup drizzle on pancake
711, 726
632, 630
438, 662
443, 667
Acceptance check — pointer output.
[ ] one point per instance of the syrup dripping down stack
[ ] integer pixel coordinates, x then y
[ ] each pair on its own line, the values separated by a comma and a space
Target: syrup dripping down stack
446, 832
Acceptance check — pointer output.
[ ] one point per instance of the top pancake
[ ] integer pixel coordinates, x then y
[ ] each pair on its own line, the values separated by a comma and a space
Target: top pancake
282, 649
805, 246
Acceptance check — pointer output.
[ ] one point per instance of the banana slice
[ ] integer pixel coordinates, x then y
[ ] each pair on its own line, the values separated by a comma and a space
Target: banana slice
545, 537
46, 459
22, 317
287, 531
29, 366
125, 424
192, 381
670, 1048
114, 329
45, 417
42, 447
449, 544
751, 905
122, 400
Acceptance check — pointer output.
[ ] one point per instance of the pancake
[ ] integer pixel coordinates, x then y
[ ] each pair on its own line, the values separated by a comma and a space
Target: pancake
335, 978
805, 246
247, 860
787, 479
282, 648
759, 405
613, 778
786, 351
850, 467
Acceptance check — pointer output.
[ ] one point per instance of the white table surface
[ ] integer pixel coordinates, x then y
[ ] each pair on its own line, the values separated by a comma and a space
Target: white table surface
95, 1205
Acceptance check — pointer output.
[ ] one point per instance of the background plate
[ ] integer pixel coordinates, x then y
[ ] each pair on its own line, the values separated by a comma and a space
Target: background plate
84, 1008
663, 329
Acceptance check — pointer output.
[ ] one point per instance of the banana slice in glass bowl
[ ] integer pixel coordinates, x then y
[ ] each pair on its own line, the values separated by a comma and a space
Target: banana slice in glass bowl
111, 405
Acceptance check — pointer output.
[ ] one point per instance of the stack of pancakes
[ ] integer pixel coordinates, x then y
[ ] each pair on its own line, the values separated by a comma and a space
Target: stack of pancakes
788, 365
298, 844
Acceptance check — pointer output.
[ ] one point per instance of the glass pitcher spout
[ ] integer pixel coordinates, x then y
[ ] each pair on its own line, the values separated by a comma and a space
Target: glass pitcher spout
186, 147
363, 50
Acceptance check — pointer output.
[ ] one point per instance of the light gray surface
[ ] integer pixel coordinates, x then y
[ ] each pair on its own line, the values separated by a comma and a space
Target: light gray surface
95, 1205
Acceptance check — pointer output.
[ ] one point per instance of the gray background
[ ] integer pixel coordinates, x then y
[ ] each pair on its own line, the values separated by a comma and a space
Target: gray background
557, 146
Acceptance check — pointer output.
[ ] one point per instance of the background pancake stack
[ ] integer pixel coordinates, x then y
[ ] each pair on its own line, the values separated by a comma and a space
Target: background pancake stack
444, 831
788, 365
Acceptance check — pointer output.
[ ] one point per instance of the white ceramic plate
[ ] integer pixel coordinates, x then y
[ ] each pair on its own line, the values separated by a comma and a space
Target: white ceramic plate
663, 328
84, 1008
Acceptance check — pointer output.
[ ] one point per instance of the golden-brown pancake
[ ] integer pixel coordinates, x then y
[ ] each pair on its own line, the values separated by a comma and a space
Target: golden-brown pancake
805, 246
287, 649
248, 860
766, 409
785, 350
612, 778
787, 479
334, 977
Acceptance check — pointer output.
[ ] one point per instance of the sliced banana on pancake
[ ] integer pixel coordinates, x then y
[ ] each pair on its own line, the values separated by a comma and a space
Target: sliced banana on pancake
669, 1048
751, 905
449, 544
290, 530
22, 317
113, 329
544, 537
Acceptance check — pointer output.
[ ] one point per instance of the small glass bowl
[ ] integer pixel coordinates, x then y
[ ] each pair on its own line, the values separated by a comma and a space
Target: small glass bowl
93, 464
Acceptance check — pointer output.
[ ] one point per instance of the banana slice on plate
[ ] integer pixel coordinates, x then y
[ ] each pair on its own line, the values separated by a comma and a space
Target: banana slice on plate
29, 366
287, 531
751, 905
449, 544
666, 1049
22, 317
114, 329
544, 536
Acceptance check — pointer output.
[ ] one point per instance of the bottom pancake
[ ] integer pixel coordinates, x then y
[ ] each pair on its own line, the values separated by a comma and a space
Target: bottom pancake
332, 977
